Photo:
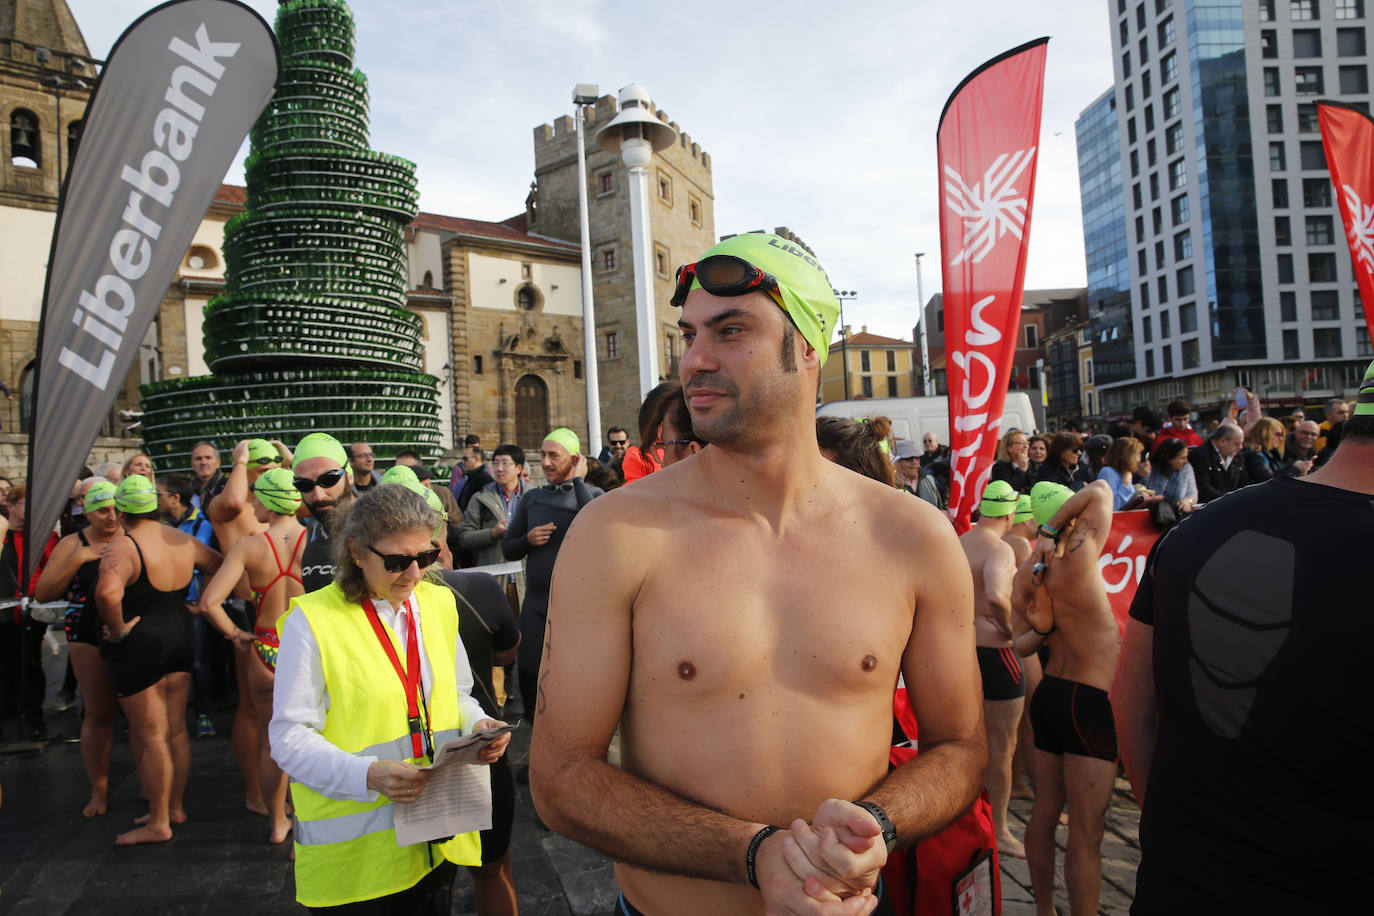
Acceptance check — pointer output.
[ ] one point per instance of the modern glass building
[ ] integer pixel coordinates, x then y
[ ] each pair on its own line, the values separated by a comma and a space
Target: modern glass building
1238, 268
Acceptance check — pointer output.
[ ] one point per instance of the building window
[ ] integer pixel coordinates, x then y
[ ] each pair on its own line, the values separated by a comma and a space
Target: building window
1269, 44
1183, 282
1312, 155
891, 360
1130, 130
1178, 174
1271, 82
1144, 295
1162, 5
1126, 64
1288, 306
694, 210
1145, 87
1162, 288
1187, 318
1283, 231
1279, 187
1123, 30
1191, 357
1349, 9
1362, 342
1307, 43
1130, 98
605, 181
1168, 68
1032, 334
1140, 228
1326, 342
1319, 230
1159, 252
1316, 192
1144, 49
477, 365
1350, 42
1278, 161
1309, 80
577, 368
1307, 118
608, 259
1135, 164
1273, 118
1165, 31
1159, 220
1266, 10
25, 145
524, 299
1172, 104
670, 341
1150, 157
892, 386
1321, 267
1290, 343
1179, 209
1168, 359
1146, 328
1136, 197
663, 263
612, 344
1354, 80
1149, 112
867, 386
1183, 246
665, 188
1326, 305
1173, 138
1302, 10
1142, 262
1285, 265
864, 362
1149, 363
1154, 187
1140, 16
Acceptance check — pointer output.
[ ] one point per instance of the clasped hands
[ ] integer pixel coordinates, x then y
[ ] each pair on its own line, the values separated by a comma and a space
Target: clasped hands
830, 865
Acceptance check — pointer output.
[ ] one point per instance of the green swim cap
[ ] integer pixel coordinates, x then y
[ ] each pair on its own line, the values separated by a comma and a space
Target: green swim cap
807, 296
276, 489
261, 448
402, 474
100, 495
566, 438
999, 500
1023, 509
1364, 403
320, 445
136, 495
1046, 498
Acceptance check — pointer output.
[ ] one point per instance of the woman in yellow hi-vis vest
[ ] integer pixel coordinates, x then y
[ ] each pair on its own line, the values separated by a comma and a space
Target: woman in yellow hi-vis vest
349, 725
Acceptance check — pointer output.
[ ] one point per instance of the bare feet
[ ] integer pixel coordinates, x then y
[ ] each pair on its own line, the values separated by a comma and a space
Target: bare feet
95, 807
144, 834
176, 817
280, 831
255, 804
1009, 845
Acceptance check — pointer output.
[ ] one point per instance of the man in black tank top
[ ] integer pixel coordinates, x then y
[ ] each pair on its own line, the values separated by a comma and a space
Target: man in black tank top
322, 478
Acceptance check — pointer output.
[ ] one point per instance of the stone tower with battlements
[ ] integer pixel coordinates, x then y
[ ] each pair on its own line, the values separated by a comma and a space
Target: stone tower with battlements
682, 226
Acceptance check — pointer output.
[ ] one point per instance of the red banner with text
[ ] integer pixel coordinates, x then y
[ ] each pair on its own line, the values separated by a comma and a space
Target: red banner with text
986, 143
1123, 559
1348, 136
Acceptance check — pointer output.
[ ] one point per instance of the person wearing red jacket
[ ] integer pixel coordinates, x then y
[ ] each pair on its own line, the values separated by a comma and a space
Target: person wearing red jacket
21, 667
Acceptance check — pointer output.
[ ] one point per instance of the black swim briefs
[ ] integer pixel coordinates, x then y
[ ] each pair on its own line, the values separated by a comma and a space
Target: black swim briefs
1003, 678
1072, 718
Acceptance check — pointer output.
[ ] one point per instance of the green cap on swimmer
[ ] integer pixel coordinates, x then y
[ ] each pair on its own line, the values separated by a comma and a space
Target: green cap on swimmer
136, 495
1364, 403
1023, 509
320, 445
258, 449
276, 489
1046, 498
100, 495
566, 438
805, 290
999, 500
402, 474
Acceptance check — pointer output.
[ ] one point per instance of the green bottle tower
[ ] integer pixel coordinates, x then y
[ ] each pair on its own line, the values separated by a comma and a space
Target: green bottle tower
310, 333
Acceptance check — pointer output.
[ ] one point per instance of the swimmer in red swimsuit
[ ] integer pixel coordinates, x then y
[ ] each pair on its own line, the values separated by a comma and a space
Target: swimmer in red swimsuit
275, 503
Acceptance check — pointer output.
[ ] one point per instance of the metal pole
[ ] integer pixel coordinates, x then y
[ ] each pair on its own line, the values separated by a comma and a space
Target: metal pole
588, 317
926, 384
844, 354
644, 281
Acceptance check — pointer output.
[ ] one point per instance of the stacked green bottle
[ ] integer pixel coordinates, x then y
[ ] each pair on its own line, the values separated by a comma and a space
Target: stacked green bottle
310, 332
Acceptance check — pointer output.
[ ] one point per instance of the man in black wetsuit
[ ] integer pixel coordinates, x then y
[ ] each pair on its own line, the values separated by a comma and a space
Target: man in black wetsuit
322, 479
541, 520
1241, 696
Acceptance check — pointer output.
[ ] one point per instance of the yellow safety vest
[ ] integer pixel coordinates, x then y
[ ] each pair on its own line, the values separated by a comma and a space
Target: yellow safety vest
346, 850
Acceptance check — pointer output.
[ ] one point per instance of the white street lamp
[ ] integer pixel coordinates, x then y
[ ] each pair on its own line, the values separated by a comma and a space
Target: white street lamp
636, 134
584, 95
926, 386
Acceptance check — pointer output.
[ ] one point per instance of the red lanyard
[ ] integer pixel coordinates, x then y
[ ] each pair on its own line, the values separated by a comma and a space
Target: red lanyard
409, 675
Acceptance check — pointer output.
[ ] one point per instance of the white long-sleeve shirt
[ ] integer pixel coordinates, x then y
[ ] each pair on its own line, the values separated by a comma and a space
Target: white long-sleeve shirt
300, 702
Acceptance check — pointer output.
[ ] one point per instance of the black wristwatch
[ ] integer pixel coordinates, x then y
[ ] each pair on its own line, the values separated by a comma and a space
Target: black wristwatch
879, 815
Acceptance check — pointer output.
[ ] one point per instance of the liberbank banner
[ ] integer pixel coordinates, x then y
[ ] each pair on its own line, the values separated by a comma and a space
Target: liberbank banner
986, 143
179, 92
1348, 136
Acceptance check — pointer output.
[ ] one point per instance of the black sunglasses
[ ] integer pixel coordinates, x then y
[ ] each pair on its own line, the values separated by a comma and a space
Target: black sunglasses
400, 562
267, 460
722, 275
324, 481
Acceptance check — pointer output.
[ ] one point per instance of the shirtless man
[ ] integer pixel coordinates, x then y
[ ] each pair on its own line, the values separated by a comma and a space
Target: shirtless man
708, 611
1023, 761
272, 565
231, 513
994, 564
1075, 736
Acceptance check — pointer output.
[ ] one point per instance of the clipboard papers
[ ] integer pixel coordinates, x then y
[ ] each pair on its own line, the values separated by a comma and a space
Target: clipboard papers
457, 798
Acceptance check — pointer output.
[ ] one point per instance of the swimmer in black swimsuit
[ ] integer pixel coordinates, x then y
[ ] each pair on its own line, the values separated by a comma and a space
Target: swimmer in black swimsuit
148, 647
72, 572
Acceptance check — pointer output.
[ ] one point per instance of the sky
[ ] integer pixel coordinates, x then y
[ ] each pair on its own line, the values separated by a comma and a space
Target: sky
819, 123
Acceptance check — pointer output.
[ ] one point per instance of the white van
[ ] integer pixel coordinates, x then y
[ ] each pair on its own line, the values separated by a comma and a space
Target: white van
914, 417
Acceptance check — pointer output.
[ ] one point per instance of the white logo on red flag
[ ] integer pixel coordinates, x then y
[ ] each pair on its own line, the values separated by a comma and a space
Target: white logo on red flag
991, 208
1361, 231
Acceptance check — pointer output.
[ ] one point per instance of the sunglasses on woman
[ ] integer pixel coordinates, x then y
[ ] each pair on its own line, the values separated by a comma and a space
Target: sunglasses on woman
723, 275
400, 562
324, 481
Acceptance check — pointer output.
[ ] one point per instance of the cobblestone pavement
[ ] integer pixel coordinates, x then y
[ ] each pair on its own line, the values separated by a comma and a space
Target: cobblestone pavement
52, 860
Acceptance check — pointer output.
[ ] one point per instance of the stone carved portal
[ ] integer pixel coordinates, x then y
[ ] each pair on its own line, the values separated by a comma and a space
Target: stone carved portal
531, 412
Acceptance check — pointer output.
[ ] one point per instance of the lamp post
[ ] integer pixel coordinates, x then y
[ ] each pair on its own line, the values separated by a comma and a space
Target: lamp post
844, 295
921, 329
584, 95
57, 81
636, 135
